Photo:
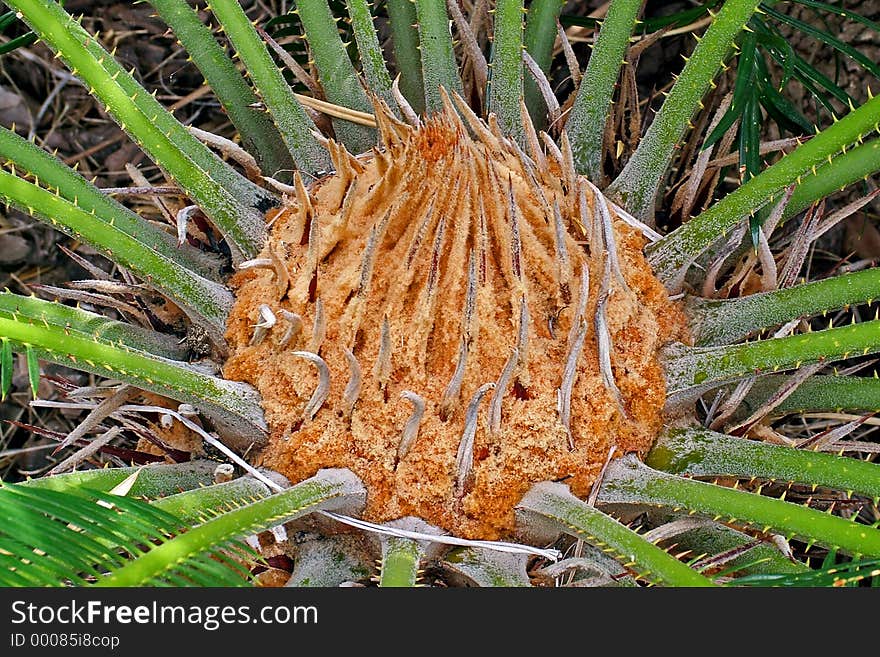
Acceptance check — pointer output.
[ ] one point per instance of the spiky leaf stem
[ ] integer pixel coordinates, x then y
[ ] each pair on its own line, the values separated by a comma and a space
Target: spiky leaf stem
400, 562
717, 322
141, 250
232, 202
714, 538
505, 89
439, 68
627, 481
636, 186
671, 255
290, 117
152, 480
329, 489
848, 167
489, 568
25, 157
405, 39
337, 75
539, 39
586, 123
854, 165
258, 135
195, 506
135, 337
821, 393
95, 344
372, 60
690, 370
554, 502
706, 453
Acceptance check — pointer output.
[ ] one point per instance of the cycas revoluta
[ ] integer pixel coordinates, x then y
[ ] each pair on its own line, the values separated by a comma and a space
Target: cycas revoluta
441, 300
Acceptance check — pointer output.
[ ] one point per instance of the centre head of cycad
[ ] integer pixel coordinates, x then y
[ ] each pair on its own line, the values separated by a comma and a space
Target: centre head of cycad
453, 320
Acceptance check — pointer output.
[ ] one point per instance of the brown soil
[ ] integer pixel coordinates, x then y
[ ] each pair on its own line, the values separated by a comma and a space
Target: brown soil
431, 206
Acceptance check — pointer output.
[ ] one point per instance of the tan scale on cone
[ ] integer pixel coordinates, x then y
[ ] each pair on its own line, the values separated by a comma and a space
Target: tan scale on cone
454, 320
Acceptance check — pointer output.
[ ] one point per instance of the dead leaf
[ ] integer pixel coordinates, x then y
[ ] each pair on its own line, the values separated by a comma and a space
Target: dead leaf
862, 238
14, 249
13, 109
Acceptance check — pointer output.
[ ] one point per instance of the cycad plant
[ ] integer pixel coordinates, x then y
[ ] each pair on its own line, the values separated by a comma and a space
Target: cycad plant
444, 346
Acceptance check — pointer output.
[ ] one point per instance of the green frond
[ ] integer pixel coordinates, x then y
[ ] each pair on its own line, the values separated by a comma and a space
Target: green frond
190, 506
234, 203
690, 370
95, 344
405, 40
84, 536
842, 170
733, 553
296, 127
826, 37
439, 68
828, 394
554, 503
719, 322
6, 365
636, 186
22, 41
50, 538
505, 91
336, 73
671, 255
258, 135
627, 481
328, 490
378, 81
487, 567
127, 240
586, 123
33, 369
152, 481
400, 562
701, 453
850, 573
24, 158
539, 39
